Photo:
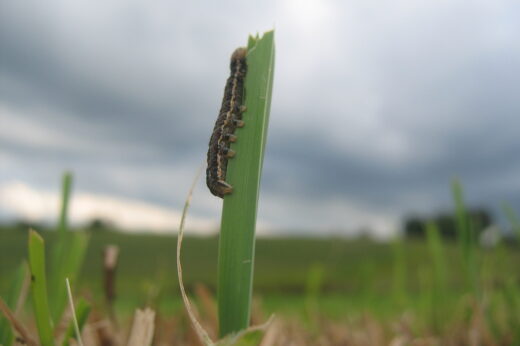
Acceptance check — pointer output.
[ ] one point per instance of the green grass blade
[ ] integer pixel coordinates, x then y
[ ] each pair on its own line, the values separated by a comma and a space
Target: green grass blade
66, 184
82, 312
466, 237
72, 256
236, 244
67, 256
511, 296
11, 299
399, 278
437, 254
39, 289
438, 274
513, 219
461, 219
313, 288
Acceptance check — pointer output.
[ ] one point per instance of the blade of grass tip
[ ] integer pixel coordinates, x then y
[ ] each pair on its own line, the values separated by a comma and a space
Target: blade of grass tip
73, 311
237, 233
82, 312
39, 289
201, 333
13, 297
60, 241
66, 184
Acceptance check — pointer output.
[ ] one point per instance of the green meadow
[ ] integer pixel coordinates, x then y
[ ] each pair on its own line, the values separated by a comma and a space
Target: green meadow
349, 276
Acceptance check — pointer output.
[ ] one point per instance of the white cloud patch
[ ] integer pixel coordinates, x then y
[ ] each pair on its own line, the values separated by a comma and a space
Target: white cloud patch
332, 215
22, 201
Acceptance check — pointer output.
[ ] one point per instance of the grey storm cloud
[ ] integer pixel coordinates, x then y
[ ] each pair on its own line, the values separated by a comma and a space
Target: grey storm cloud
376, 106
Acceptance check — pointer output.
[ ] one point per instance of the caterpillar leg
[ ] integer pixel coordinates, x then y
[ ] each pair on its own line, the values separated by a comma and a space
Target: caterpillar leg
223, 187
240, 109
228, 152
238, 123
230, 137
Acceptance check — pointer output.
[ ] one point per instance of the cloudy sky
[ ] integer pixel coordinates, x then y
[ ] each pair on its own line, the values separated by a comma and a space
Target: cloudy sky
377, 105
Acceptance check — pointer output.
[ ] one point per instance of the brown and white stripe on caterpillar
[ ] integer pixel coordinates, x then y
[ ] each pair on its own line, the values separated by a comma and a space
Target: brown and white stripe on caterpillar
229, 118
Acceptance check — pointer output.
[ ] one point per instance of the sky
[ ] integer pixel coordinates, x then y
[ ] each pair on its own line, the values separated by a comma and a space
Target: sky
377, 106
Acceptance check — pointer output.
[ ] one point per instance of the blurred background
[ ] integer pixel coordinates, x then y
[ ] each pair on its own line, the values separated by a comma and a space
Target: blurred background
377, 107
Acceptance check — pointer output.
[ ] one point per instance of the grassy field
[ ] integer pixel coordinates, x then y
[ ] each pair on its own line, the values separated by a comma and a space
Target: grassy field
282, 265
357, 272
315, 281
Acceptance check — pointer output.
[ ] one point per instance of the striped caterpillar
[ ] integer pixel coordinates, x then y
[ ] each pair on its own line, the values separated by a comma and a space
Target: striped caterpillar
229, 118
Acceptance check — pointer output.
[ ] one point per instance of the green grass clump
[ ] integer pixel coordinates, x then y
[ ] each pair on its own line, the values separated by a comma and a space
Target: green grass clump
49, 301
67, 256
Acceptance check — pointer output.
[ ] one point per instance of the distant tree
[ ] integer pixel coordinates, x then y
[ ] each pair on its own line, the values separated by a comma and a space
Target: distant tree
98, 224
24, 225
447, 225
481, 218
415, 226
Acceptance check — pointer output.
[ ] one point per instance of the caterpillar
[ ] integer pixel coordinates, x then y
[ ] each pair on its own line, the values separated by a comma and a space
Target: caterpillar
229, 118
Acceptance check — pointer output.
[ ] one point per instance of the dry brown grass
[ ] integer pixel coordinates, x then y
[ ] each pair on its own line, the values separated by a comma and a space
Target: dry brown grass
285, 331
